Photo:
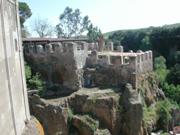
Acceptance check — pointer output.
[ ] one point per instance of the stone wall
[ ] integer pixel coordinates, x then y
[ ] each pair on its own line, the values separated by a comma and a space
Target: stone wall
59, 63
64, 64
14, 109
118, 67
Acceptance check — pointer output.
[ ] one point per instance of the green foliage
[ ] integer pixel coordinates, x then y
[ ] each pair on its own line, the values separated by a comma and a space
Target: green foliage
174, 75
160, 113
169, 80
161, 71
24, 12
145, 44
72, 23
160, 63
33, 81
70, 115
93, 124
172, 92
93, 33
27, 72
162, 40
164, 114
149, 114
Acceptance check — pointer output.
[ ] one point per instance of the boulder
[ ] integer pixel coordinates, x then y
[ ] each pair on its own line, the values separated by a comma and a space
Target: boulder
103, 104
52, 116
85, 124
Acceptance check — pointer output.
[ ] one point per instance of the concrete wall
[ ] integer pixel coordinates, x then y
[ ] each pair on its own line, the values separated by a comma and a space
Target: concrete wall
14, 108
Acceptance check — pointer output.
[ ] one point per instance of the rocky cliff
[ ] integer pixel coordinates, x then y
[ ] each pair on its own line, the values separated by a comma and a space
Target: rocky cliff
95, 111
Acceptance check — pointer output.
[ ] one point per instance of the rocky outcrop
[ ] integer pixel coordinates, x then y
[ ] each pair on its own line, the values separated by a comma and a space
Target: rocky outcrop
132, 112
52, 116
85, 124
102, 104
118, 111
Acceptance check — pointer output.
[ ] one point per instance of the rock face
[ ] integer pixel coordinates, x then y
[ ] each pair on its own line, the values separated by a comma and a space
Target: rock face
149, 89
102, 104
85, 124
133, 112
118, 111
52, 116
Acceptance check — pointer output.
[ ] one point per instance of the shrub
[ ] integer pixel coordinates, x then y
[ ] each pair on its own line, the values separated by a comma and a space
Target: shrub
34, 81
164, 109
174, 75
172, 92
161, 71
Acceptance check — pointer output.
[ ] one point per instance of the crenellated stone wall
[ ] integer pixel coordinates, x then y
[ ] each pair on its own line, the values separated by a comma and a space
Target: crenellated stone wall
74, 64
58, 63
118, 67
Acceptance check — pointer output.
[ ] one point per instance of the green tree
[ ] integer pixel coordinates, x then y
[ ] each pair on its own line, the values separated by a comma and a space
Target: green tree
93, 33
172, 92
145, 44
164, 109
174, 75
177, 57
160, 63
160, 69
33, 81
72, 23
24, 12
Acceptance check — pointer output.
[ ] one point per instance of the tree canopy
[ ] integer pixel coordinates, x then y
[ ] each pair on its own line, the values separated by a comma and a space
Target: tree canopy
24, 12
163, 41
73, 24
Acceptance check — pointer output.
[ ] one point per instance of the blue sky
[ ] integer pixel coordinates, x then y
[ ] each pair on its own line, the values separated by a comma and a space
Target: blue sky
110, 15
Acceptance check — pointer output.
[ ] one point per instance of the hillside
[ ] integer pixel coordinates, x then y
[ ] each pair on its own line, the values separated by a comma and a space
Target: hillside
170, 26
154, 38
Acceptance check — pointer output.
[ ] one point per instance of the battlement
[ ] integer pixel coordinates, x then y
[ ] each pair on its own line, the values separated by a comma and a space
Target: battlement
59, 47
68, 61
122, 67
139, 62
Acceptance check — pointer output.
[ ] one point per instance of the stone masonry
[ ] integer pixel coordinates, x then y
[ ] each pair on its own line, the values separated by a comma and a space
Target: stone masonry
59, 63
79, 64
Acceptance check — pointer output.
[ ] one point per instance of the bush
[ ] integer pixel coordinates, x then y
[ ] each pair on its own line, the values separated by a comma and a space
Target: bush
174, 75
164, 109
161, 71
172, 92
33, 81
